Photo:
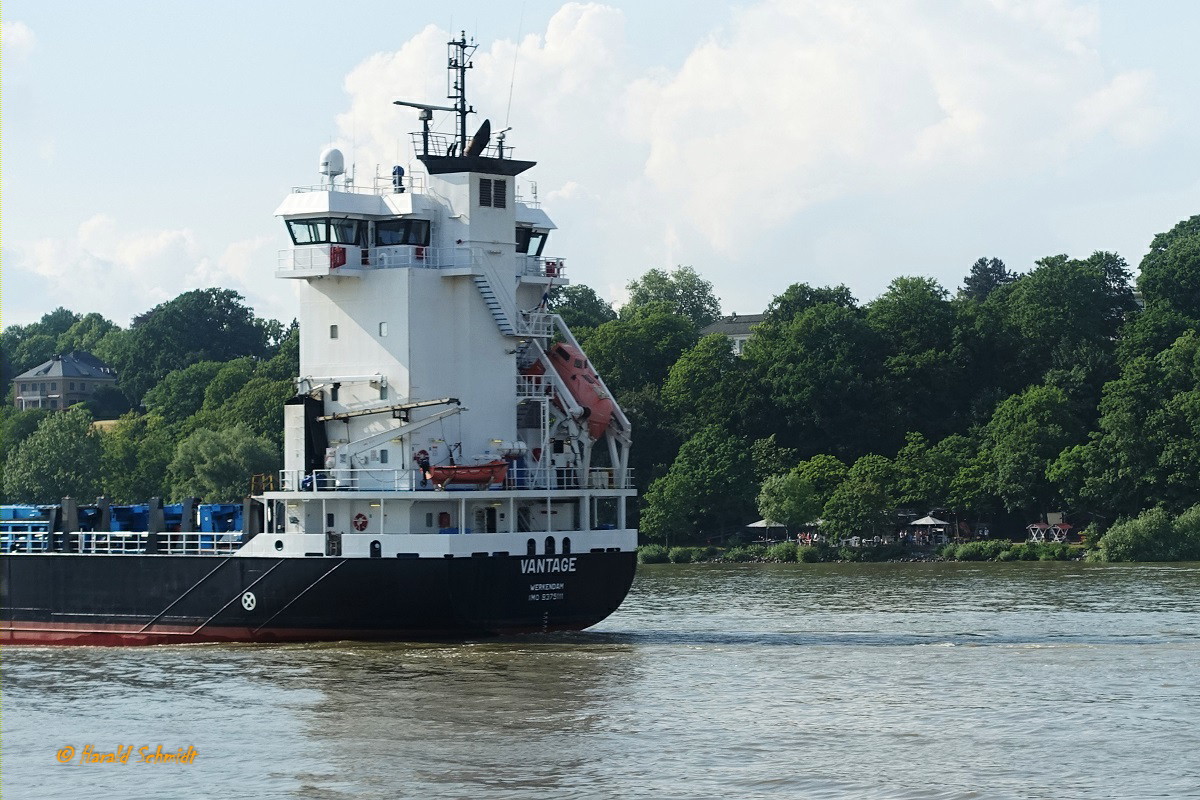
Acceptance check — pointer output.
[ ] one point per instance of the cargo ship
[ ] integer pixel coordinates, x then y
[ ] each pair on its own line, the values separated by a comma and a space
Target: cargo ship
442, 475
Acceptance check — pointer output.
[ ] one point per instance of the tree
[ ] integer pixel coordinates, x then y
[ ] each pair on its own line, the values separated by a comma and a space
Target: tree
862, 505
915, 320
85, 334
799, 297
639, 348
218, 465
682, 289
1024, 437
200, 325
986, 275
136, 454
708, 490
789, 500
823, 373
824, 472
709, 385
60, 459
1170, 272
181, 392
580, 307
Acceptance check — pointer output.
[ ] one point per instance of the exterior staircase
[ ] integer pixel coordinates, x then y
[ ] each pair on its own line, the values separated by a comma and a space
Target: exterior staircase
494, 306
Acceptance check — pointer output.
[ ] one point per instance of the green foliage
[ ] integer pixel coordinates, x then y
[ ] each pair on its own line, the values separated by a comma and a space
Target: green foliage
59, 459
681, 555
217, 465
709, 385
1025, 435
808, 554
181, 393
1170, 272
85, 334
784, 551
745, 553
639, 348
979, 551
580, 307
200, 325
708, 487
652, 554
769, 458
789, 500
862, 504
107, 402
823, 372
1154, 536
986, 275
136, 454
682, 290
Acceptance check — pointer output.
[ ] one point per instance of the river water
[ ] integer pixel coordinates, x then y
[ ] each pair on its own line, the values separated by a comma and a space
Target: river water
1021, 680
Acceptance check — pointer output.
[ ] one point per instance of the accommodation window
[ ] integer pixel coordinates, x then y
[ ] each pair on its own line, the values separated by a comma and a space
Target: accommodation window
54, 404
54, 386
383, 329
333, 331
323, 230
72, 386
402, 231
23, 387
493, 193
429, 520
383, 456
329, 520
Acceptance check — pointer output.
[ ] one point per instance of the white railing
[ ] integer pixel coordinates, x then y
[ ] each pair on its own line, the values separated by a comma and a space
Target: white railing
533, 323
532, 386
410, 480
546, 267
24, 542
380, 185
124, 542
109, 542
191, 542
317, 259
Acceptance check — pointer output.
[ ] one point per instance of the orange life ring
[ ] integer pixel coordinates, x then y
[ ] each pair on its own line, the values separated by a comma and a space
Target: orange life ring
360, 522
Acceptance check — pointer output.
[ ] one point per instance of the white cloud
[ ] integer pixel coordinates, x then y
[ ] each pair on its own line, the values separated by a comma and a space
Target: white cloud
17, 40
124, 272
793, 105
804, 102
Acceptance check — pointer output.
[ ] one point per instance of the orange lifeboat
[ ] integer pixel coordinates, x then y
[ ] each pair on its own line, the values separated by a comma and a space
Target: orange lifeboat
472, 474
573, 367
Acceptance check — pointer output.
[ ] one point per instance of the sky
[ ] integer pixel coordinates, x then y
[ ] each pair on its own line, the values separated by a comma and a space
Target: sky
146, 145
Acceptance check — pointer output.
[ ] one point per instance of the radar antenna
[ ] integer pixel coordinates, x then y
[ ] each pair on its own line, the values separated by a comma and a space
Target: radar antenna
458, 62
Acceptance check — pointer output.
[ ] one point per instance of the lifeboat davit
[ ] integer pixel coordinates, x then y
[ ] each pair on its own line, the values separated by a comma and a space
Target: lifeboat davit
573, 367
471, 474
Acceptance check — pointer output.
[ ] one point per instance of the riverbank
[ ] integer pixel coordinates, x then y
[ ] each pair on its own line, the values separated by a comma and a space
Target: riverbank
790, 552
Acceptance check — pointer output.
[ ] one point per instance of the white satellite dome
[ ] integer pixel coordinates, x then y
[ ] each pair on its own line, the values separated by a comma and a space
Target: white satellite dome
332, 162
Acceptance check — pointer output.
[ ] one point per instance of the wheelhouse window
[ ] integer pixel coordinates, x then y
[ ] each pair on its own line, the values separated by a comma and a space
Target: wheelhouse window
530, 241
402, 231
325, 230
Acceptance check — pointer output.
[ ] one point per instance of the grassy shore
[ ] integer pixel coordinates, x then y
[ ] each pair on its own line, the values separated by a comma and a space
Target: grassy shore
790, 552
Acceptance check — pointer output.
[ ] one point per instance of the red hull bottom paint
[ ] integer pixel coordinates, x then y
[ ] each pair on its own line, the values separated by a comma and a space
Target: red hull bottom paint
133, 636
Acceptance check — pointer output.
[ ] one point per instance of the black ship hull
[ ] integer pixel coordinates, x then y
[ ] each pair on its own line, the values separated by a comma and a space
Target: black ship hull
72, 599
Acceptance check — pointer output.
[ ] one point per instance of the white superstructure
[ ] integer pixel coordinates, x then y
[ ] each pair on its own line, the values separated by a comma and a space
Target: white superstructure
424, 340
